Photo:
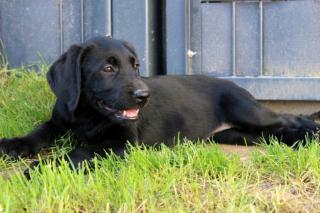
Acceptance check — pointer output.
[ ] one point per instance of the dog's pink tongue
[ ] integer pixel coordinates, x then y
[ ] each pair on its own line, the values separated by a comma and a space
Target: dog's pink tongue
130, 113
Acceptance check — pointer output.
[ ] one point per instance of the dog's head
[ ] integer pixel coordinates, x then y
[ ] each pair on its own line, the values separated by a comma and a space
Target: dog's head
104, 72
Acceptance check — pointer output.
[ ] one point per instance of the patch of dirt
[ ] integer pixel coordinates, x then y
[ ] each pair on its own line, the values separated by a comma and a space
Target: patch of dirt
294, 196
243, 151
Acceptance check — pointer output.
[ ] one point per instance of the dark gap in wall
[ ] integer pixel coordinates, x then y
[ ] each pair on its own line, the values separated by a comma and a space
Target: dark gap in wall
159, 33
163, 34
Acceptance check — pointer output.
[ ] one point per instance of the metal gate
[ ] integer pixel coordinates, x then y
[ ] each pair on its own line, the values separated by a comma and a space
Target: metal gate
272, 48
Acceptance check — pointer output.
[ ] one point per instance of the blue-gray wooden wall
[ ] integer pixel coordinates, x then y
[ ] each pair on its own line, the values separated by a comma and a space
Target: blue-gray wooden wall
29, 28
270, 48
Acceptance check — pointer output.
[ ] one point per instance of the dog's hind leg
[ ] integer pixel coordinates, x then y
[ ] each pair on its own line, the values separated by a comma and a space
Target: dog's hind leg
234, 136
250, 117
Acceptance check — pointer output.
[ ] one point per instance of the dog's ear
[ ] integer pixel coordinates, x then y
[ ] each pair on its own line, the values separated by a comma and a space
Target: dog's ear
64, 78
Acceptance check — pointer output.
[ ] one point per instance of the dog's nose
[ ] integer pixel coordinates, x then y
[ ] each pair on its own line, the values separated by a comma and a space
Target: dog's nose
141, 95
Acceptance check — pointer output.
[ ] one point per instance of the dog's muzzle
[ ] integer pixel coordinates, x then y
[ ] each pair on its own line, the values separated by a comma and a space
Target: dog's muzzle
141, 97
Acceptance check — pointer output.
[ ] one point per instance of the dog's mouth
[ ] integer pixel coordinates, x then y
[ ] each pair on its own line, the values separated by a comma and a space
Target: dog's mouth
123, 114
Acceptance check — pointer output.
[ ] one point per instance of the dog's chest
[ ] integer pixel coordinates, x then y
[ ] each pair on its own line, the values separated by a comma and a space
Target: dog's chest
93, 131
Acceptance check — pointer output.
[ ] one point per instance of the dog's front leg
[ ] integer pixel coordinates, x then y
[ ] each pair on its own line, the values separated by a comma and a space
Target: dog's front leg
85, 154
30, 144
88, 152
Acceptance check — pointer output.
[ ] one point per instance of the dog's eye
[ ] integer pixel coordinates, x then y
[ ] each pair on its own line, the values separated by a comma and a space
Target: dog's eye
108, 68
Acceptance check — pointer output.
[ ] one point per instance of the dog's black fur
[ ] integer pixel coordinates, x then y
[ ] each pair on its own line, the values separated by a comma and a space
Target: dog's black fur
97, 83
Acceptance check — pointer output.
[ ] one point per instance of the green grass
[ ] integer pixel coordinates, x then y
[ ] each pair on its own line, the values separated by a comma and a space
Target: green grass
188, 178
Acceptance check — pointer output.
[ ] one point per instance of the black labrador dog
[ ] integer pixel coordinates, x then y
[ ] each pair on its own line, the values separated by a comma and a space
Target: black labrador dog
105, 103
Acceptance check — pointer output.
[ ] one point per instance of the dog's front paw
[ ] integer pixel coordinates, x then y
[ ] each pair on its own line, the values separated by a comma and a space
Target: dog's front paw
15, 147
85, 166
